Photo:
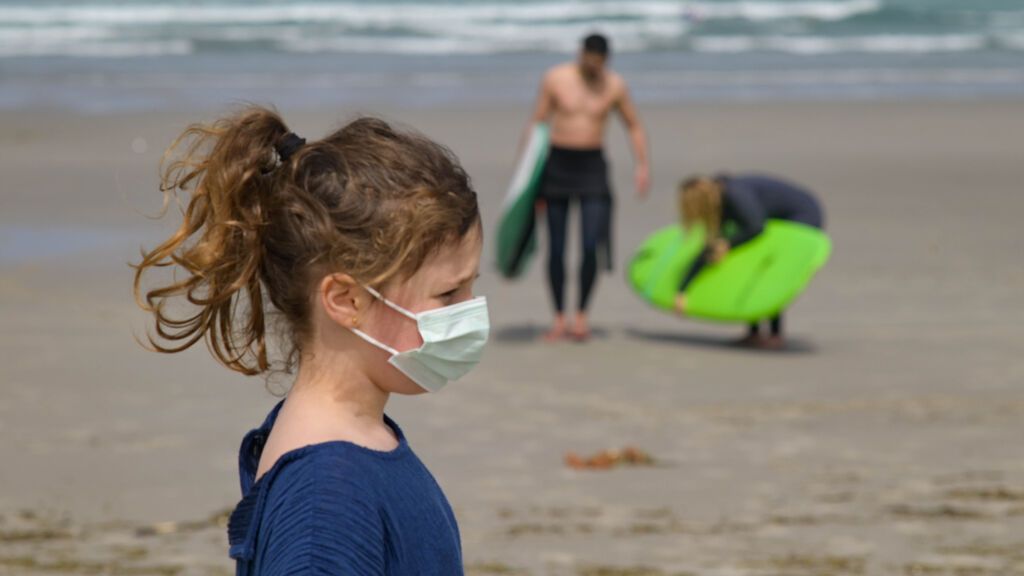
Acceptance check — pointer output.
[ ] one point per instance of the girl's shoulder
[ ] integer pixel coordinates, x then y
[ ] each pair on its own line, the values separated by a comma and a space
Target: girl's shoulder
319, 503
316, 510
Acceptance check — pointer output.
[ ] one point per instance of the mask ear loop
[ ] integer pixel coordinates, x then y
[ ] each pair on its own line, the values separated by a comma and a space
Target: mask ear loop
390, 304
374, 341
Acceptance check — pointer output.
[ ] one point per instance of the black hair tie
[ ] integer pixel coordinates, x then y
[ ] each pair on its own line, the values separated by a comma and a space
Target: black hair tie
289, 144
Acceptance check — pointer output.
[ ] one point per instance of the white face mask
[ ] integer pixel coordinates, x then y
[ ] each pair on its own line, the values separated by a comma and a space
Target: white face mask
453, 342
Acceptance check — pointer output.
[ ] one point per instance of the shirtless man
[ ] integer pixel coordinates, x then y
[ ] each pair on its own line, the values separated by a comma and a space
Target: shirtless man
576, 99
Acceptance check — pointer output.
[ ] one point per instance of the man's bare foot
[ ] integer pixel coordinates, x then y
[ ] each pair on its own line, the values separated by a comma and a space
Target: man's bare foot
581, 328
773, 342
557, 331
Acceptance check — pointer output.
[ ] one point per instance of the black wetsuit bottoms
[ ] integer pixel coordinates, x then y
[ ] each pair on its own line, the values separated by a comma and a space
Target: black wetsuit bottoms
577, 176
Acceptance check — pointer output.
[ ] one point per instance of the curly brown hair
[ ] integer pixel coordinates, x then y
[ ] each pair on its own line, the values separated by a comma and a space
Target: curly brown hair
700, 202
368, 200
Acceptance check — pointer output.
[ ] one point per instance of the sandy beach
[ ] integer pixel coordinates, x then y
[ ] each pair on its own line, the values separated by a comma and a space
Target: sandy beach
887, 440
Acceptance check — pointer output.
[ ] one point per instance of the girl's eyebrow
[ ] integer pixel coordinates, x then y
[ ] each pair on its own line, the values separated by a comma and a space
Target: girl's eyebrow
459, 282
465, 279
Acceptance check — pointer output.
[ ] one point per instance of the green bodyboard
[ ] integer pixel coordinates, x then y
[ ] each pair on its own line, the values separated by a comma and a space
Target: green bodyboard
755, 281
516, 239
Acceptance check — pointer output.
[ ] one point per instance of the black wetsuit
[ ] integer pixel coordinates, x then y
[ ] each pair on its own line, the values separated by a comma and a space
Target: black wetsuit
748, 201
572, 175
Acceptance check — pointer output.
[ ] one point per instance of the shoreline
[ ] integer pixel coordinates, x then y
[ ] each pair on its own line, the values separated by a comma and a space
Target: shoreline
430, 82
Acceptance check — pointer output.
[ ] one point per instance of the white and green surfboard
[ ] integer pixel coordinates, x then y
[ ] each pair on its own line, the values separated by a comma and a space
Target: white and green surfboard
516, 239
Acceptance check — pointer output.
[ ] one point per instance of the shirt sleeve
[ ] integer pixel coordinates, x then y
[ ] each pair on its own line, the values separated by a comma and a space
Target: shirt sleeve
319, 522
695, 269
743, 208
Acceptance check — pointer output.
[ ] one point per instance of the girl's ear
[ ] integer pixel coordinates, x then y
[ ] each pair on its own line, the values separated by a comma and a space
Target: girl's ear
343, 299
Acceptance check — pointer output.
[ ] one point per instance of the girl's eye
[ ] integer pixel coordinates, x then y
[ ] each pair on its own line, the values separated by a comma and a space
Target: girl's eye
449, 294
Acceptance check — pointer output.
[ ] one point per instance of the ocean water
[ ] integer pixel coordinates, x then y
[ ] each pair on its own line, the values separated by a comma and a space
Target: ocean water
98, 56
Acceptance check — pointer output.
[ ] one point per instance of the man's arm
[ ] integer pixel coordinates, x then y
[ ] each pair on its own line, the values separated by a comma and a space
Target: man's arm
541, 109
638, 138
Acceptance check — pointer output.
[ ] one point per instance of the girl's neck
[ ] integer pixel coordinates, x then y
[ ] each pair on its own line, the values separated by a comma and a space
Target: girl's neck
337, 386
330, 400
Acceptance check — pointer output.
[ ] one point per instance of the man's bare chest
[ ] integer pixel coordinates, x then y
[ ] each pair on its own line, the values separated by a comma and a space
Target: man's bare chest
579, 100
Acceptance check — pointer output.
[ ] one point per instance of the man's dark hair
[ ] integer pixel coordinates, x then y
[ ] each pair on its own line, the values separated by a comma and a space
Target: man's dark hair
596, 44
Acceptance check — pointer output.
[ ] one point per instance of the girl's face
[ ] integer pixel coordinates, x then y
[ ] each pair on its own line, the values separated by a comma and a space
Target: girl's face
446, 278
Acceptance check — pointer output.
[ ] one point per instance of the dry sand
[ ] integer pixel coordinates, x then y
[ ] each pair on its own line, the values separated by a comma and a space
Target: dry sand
888, 441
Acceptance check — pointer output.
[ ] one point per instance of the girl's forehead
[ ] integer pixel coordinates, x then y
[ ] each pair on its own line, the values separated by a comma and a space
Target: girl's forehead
462, 255
453, 260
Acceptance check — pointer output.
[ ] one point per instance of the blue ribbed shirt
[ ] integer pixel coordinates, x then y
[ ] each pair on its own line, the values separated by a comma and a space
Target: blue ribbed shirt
338, 508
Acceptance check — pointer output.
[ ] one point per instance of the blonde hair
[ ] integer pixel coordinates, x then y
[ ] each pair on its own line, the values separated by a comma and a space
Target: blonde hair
700, 202
367, 200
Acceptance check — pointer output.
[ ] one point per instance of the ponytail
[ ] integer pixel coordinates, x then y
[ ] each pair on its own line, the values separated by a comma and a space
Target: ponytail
229, 168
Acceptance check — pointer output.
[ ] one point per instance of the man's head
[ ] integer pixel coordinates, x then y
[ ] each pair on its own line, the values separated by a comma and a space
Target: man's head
594, 55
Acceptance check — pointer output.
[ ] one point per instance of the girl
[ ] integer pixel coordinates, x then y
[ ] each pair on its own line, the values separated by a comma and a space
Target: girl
365, 246
747, 201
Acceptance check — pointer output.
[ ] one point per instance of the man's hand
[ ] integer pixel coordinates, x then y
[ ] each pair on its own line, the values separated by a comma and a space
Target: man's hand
642, 181
680, 306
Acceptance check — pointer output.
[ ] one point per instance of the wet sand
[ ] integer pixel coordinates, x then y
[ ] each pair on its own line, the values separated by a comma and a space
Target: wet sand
886, 441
